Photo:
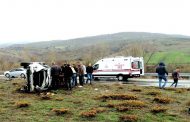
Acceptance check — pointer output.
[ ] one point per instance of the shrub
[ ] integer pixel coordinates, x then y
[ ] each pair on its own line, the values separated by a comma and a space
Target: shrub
99, 109
163, 100
134, 103
60, 111
170, 89
123, 108
119, 97
159, 109
180, 90
77, 102
111, 105
91, 113
15, 84
22, 104
120, 87
129, 118
136, 90
154, 92
59, 99
188, 103
128, 103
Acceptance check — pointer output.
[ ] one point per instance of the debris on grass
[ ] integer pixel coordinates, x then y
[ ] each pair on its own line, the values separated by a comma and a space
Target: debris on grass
128, 118
159, 109
96, 89
60, 111
119, 97
163, 100
22, 104
45, 97
90, 113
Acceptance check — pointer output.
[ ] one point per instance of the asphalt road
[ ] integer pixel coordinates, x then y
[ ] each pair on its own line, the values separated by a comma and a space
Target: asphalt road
148, 82
182, 83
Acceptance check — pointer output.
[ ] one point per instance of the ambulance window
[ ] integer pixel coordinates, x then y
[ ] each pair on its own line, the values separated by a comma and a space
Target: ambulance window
140, 65
136, 65
96, 66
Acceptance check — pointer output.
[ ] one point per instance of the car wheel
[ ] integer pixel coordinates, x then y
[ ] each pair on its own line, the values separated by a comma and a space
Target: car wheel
120, 77
22, 75
7, 75
96, 79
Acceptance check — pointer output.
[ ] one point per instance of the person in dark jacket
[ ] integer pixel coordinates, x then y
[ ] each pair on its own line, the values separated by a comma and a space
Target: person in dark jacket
55, 72
175, 76
89, 71
67, 71
81, 74
162, 72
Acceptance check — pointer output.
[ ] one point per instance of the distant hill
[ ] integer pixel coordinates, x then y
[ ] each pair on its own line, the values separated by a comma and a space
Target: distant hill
108, 38
154, 47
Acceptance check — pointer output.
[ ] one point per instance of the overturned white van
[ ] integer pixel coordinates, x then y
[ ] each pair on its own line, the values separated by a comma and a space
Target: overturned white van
37, 76
119, 67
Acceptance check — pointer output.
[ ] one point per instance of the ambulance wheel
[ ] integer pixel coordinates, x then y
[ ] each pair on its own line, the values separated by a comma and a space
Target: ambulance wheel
96, 78
120, 78
125, 78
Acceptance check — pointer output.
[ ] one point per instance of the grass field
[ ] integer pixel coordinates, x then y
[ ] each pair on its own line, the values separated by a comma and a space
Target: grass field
174, 57
98, 102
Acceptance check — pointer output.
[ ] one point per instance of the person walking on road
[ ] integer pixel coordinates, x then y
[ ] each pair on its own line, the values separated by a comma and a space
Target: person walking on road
162, 73
175, 76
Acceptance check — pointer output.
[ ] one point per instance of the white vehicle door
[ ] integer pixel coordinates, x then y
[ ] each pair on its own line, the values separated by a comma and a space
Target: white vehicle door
12, 72
18, 72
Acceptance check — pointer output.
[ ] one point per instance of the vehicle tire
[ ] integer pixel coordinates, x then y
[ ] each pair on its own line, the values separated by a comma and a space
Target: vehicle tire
96, 79
22, 75
7, 75
120, 77
125, 78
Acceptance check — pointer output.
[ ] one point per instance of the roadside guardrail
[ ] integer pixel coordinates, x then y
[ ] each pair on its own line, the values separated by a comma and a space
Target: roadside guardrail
170, 74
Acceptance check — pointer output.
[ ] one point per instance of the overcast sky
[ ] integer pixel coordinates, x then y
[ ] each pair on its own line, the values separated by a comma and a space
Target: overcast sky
43, 20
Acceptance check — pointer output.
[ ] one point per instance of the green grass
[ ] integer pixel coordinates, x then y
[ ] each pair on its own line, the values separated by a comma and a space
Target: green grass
85, 99
174, 57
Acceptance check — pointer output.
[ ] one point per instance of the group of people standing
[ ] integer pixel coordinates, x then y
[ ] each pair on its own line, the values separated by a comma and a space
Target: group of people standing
163, 73
67, 75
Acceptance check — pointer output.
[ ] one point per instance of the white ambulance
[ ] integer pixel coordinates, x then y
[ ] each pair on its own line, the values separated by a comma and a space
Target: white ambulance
119, 67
